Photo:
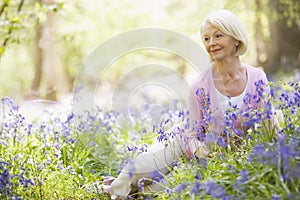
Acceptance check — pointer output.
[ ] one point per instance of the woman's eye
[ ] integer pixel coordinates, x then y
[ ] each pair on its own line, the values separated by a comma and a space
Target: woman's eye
205, 39
219, 35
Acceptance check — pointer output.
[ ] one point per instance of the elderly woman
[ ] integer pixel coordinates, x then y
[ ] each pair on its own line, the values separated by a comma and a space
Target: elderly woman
227, 79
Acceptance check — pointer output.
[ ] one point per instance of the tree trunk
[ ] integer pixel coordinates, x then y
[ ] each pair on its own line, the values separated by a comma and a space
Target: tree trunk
38, 64
49, 72
51, 59
284, 43
260, 38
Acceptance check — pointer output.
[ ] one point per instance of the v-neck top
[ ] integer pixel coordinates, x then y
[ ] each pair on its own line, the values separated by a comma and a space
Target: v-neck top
226, 101
203, 100
205, 83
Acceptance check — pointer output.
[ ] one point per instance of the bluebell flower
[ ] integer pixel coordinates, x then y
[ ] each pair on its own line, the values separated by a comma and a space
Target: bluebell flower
222, 142
70, 117
156, 176
180, 187
215, 190
247, 99
169, 191
9, 103
240, 182
15, 197
202, 161
195, 187
231, 169
264, 154
295, 171
5, 180
141, 184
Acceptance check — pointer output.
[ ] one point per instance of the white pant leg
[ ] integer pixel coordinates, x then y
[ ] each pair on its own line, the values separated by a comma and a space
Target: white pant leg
158, 159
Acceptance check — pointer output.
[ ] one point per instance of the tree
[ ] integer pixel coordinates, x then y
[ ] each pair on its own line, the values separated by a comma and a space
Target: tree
11, 16
18, 20
48, 56
283, 48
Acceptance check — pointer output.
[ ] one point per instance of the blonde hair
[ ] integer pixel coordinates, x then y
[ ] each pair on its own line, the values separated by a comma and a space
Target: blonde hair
229, 24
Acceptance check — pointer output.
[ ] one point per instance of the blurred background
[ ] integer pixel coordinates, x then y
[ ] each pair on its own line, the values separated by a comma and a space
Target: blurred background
45, 42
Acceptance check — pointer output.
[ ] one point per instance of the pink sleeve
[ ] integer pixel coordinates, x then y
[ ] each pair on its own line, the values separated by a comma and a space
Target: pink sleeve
190, 140
195, 111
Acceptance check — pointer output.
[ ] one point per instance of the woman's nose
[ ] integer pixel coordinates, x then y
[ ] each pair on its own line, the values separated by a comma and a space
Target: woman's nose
211, 41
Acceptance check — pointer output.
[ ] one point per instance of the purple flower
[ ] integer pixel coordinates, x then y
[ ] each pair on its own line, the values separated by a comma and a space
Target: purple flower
9, 103
180, 187
295, 171
244, 174
70, 117
5, 179
231, 169
141, 184
222, 142
198, 177
247, 99
15, 197
156, 176
202, 161
169, 191
215, 190
264, 153
241, 181
195, 187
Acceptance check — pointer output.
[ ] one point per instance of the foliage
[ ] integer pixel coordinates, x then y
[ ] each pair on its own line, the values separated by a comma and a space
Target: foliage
18, 16
262, 167
19, 22
82, 25
289, 10
35, 156
53, 157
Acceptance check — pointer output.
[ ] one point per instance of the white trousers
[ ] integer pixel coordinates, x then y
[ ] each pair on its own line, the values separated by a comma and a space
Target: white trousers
158, 160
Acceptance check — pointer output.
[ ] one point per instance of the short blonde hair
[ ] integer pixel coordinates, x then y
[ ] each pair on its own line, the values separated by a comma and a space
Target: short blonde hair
229, 24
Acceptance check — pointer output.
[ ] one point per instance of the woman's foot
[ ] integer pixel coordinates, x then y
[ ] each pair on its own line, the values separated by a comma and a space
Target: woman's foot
101, 187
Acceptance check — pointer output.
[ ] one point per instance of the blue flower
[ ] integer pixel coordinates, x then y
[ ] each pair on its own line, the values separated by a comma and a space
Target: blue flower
169, 191
247, 99
242, 179
198, 177
264, 153
295, 171
156, 176
215, 190
231, 169
195, 187
180, 187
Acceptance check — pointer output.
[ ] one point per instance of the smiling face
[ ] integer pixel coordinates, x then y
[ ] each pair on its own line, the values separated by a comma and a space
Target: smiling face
218, 45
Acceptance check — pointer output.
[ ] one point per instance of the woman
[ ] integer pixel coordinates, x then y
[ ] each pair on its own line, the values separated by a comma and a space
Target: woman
228, 79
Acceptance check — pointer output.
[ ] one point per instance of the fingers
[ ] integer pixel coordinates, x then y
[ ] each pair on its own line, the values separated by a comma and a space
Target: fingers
108, 180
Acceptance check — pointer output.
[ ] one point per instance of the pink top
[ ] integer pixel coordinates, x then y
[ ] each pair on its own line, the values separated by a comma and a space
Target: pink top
204, 86
206, 82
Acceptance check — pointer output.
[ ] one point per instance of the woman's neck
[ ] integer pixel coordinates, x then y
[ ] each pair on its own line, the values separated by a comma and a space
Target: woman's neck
230, 78
232, 68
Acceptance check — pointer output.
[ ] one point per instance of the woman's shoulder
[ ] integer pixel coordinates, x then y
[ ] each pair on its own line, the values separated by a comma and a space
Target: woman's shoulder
255, 72
255, 75
203, 79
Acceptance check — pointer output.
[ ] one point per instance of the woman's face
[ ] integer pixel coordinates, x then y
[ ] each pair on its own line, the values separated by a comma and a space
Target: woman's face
218, 45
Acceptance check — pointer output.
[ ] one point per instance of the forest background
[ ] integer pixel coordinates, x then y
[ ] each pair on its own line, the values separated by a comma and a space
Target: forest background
45, 42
